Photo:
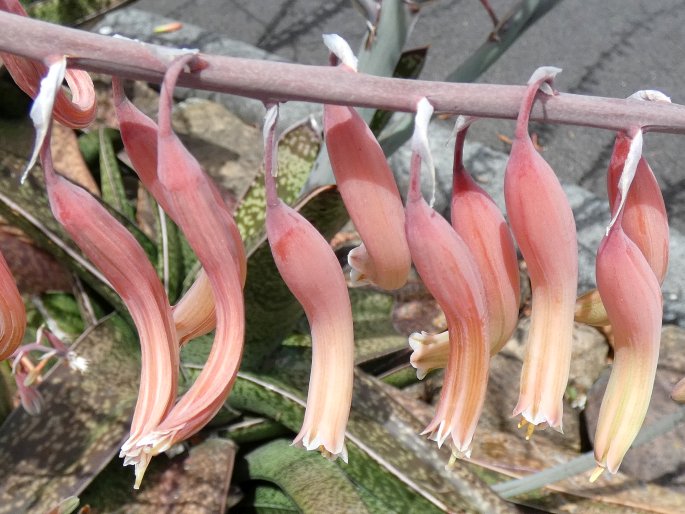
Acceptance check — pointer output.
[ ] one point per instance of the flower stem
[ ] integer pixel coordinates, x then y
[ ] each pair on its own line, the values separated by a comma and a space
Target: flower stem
270, 81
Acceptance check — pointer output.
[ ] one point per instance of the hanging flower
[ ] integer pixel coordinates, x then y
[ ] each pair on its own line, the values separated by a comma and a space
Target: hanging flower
125, 265
542, 222
368, 189
311, 271
12, 313
450, 274
196, 207
631, 295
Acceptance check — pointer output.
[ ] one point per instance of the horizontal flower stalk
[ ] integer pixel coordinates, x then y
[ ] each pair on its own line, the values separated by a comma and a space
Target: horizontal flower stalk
369, 191
450, 274
543, 226
272, 81
313, 274
479, 222
196, 207
124, 263
632, 297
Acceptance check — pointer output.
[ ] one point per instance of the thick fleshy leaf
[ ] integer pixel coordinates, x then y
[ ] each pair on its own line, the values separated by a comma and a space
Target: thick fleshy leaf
314, 484
111, 180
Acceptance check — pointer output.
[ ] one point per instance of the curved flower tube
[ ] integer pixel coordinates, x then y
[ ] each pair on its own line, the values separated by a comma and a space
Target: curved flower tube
450, 274
194, 313
370, 194
197, 208
543, 225
76, 110
312, 272
12, 313
632, 297
124, 263
481, 225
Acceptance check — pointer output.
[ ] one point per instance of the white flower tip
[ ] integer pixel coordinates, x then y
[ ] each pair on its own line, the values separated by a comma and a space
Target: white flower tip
419, 142
270, 119
357, 278
41, 111
546, 74
650, 95
77, 363
341, 49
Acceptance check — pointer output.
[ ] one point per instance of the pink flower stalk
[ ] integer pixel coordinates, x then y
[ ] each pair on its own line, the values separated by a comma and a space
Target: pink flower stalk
369, 191
481, 225
12, 313
543, 225
311, 271
197, 208
644, 214
632, 297
450, 273
76, 110
194, 313
125, 265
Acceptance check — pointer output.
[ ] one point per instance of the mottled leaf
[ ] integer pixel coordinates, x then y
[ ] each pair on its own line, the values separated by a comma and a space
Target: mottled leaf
297, 151
314, 484
396, 466
56, 454
266, 498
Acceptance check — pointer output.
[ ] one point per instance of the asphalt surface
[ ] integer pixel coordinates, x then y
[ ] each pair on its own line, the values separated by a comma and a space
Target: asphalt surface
607, 48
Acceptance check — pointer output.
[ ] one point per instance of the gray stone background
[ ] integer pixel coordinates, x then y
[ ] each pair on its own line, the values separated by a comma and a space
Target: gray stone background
608, 48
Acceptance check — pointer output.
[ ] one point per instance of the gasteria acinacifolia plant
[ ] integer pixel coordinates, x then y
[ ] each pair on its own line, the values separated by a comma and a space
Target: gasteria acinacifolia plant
470, 266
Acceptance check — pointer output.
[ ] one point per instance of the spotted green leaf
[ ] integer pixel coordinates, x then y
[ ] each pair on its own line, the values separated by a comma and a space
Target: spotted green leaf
297, 151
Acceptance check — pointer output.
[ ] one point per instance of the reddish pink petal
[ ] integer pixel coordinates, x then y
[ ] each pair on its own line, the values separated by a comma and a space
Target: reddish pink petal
481, 225
632, 297
449, 272
198, 209
77, 110
12, 313
542, 222
125, 265
373, 201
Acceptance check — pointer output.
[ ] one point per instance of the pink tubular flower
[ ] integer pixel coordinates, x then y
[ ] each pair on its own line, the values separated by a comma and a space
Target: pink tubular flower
311, 271
370, 194
77, 111
197, 208
12, 313
481, 225
543, 225
194, 313
125, 265
632, 298
449, 272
